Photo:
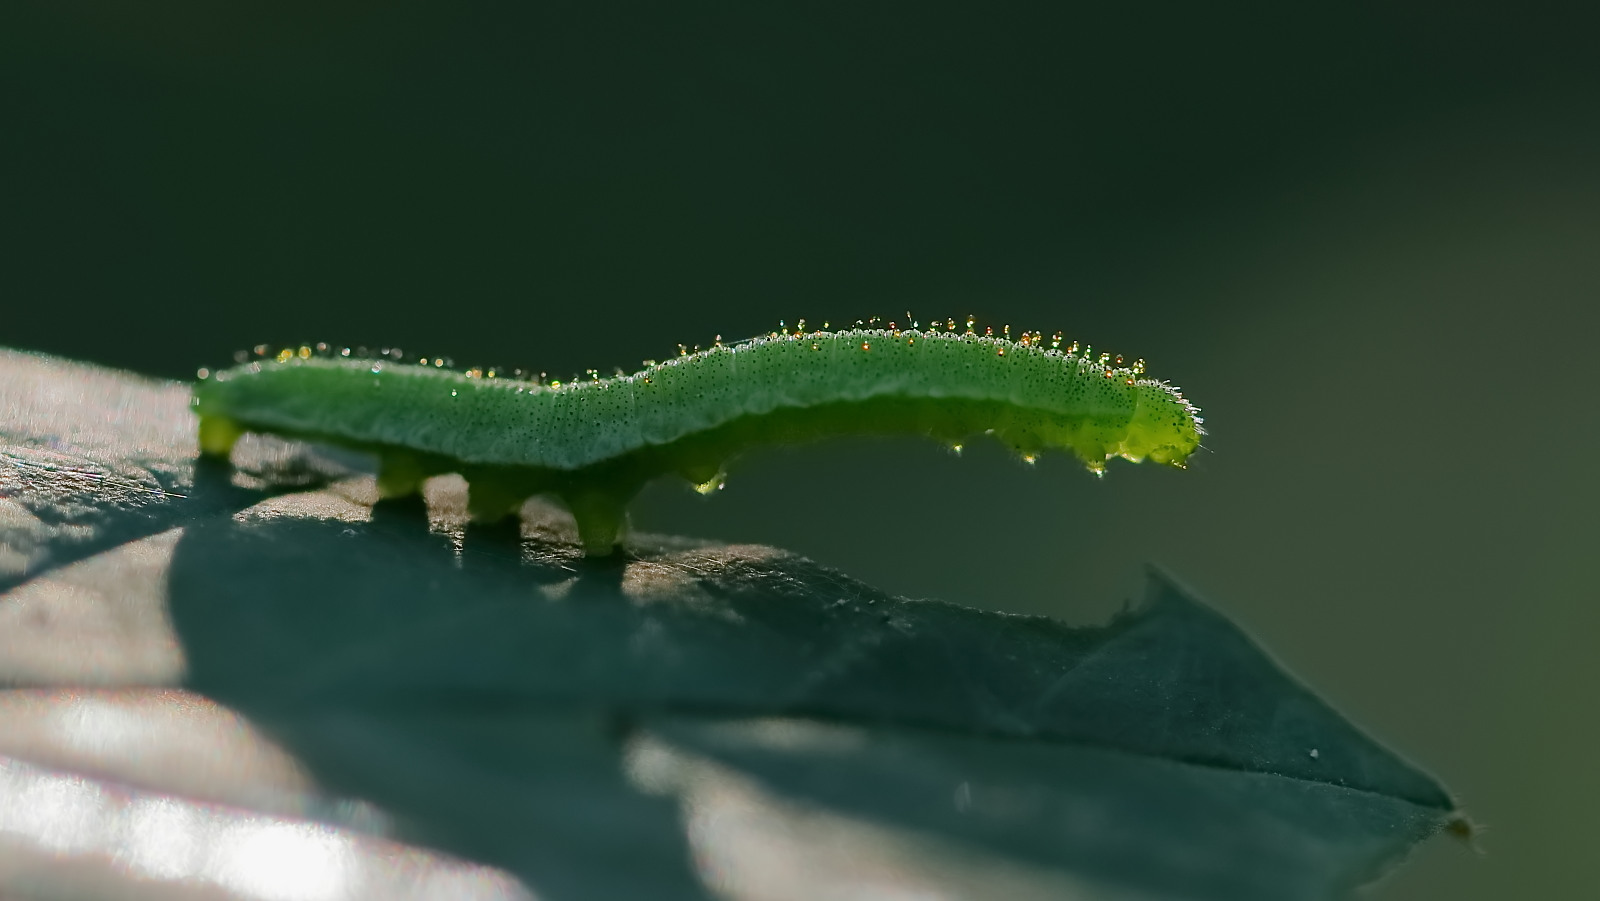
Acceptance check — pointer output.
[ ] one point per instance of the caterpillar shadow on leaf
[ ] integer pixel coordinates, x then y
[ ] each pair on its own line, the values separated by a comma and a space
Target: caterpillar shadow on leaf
595, 443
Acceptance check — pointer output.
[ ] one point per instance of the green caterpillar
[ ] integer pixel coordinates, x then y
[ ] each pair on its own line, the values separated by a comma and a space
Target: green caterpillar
594, 443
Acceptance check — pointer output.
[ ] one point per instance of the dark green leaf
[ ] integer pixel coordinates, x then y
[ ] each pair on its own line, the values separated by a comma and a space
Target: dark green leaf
690, 715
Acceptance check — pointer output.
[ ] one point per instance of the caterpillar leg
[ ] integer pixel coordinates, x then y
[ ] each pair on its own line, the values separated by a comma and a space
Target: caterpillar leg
601, 514
218, 436
399, 474
490, 500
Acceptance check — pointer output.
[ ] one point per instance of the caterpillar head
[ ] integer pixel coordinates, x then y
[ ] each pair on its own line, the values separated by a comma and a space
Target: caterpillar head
1161, 431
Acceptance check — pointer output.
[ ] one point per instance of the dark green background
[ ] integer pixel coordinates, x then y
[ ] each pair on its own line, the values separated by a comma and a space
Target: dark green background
1365, 238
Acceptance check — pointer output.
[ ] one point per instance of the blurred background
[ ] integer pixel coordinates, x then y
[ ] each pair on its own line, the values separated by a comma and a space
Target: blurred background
1365, 239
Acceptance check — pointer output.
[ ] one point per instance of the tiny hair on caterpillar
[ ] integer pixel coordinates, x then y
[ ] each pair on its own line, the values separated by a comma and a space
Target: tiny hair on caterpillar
593, 443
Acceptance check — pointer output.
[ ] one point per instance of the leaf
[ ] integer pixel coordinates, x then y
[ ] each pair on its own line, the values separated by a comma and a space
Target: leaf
693, 720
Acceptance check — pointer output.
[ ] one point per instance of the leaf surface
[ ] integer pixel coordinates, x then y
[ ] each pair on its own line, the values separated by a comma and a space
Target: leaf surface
691, 721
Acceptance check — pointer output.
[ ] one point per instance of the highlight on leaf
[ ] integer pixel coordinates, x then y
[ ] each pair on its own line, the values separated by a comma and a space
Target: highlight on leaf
593, 442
